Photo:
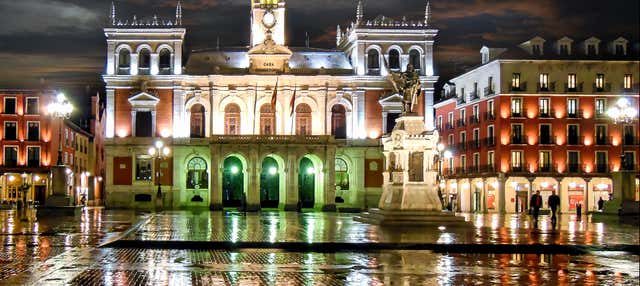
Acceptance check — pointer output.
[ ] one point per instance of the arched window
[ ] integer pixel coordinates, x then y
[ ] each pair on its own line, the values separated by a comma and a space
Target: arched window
267, 120
303, 119
394, 59
414, 59
338, 122
197, 121
232, 119
144, 61
124, 61
165, 61
373, 62
197, 177
342, 175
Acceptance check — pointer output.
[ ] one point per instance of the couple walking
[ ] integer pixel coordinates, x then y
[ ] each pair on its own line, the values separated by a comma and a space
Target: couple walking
536, 204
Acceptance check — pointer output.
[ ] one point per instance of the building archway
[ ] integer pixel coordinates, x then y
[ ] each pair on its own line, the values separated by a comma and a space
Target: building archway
197, 120
270, 183
339, 121
311, 181
233, 182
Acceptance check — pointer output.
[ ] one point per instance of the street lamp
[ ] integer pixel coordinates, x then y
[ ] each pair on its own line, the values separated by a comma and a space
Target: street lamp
60, 109
160, 152
622, 113
442, 153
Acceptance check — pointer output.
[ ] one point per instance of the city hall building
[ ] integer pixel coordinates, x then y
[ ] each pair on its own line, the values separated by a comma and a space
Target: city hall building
267, 124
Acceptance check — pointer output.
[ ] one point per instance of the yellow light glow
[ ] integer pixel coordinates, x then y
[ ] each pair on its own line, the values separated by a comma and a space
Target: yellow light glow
165, 133
587, 141
122, 133
373, 134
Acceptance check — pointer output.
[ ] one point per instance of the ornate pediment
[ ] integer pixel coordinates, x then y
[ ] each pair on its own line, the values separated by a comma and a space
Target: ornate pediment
269, 57
143, 99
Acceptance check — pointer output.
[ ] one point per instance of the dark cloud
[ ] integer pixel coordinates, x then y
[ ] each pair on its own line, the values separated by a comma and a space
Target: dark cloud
62, 41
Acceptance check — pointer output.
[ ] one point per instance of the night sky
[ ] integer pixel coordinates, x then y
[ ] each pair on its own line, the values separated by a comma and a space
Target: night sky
59, 44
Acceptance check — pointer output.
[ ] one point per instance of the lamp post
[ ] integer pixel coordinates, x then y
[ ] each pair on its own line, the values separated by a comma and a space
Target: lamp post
60, 109
160, 152
442, 153
624, 193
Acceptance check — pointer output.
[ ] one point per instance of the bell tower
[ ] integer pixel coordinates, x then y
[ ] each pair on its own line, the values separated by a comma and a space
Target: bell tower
267, 16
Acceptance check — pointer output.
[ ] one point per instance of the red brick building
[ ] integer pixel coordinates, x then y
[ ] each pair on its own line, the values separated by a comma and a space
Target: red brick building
534, 118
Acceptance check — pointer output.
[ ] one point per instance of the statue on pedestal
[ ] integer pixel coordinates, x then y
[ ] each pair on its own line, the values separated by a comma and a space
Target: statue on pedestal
408, 85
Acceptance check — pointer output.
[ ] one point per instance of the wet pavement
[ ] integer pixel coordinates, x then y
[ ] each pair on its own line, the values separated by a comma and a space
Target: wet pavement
65, 251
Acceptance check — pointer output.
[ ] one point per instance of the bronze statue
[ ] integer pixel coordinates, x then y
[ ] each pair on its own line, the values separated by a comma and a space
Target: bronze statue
408, 85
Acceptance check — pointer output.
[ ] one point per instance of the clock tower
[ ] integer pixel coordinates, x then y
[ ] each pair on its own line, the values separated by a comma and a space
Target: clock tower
267, 16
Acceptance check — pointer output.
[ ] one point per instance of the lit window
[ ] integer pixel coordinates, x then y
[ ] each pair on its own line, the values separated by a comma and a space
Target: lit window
628, 81
545, 160
572, 106
32, 105
600, 81
544, 81
143, 168
515, 81
544, 106
571, 81
516, 107
516, 159
601, 106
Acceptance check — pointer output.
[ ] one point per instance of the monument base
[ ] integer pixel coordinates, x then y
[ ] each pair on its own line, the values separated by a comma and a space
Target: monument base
52, 211
410, 218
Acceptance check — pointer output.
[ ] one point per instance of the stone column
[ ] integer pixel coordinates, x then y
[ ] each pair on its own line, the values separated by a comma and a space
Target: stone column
564, 206
155, 63
177, 59
484, 196
215, 186
253, 188
111, 119
133, 123
329, 179
133, 65
502, 193
291, 172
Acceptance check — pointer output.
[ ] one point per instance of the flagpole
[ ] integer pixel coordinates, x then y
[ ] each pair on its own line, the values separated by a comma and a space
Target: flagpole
255, 107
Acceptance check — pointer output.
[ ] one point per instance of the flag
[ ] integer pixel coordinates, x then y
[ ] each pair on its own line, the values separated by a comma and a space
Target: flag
274, 97
255, 107
292, 105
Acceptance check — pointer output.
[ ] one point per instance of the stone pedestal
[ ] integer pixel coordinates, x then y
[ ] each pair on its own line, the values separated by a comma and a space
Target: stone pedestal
59, 202
623, 202
410, 188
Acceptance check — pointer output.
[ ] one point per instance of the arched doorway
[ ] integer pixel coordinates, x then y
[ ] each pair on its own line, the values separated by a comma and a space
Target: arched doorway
269, 184
197, 121
232, 182
303, 119
232, 119
267, 120
306, 183
339, 121
197, 178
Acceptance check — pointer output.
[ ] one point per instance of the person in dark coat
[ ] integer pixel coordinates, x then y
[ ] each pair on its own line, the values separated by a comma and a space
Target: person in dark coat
554, 203
536, 204
600, 204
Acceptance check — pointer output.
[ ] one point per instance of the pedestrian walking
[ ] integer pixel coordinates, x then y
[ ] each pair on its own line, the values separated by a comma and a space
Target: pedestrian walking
535, 205
579, 210
554, 203
600, 204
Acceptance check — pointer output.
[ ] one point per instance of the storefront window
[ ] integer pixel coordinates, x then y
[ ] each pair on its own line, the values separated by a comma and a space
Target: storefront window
197, 177
143, 168
342, 175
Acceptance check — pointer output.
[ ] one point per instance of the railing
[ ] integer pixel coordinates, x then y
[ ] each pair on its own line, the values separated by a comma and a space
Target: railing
602, 168
461, 170
603, 140
575, 115
575, 140
165, 70
489, 116
517, 169
519, 140
461, 122
628, 165
488, 91
546, 168
144, 70
461, 99
547, 114
462, 146
473, 169
635, 88
124, 70
604, 88
520, 114
577, 88
489, 141
487, 169
546, 88
473, 144
450, 126
547, 140
448, 171
629, 140
474, 119
474, 95
373, 71
521, 88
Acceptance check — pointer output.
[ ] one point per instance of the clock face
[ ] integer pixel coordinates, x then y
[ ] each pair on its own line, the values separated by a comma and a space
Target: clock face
269, 20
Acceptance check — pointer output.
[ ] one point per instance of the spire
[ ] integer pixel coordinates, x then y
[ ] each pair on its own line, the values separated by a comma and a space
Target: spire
427, 14
338, 35
112, 16
359, 12
179, 13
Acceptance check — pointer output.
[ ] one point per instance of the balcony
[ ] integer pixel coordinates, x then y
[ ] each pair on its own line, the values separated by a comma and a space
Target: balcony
461, 170
518, 140
634, 90
519, 114
144, 71
603, 88
487, 169
461, 100
574, 168
630, 140
577, 88
575, 140
550, 87
521, 88
462, 146
124, 70
547, 140
165, 70
488, 91
546, 113
474, 144
474, 95
489, 141
448, 171
546, 168
574, 115
603, 140
474, 119
461, 123
489, 116
517, 169
601, 168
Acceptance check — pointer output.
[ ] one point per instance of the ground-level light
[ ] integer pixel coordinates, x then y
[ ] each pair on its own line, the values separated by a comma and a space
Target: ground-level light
234, 169
273, 170
310, 170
